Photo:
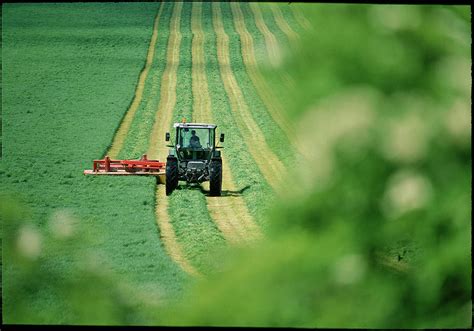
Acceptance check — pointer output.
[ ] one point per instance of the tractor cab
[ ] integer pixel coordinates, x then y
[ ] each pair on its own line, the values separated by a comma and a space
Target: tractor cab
194, 157
195, 142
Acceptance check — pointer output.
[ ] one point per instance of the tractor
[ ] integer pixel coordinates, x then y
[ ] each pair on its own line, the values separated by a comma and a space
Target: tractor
194, 157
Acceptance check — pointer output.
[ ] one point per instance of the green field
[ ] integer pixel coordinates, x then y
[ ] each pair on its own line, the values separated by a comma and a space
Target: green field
379, 204
78, 80
76, 86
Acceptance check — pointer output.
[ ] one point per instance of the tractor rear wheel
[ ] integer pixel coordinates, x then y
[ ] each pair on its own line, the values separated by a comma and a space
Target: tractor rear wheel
215, 177
171, 174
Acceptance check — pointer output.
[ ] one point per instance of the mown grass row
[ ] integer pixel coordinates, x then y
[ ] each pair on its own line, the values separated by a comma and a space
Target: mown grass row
229, 212
290, 15
141, 134
273, 27
164, 120
135, 145
282, 23
281, 80
196, 231
284, 81
274, 136
245, 171
190, 219
65, 81
300, 17
186, 208
137, 137
271, 100
263, 56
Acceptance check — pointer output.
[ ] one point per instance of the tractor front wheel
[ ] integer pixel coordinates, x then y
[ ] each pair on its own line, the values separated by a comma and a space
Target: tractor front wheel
215, 177
171, 174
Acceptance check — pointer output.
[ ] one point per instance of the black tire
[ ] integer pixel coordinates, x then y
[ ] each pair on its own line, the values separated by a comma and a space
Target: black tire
215, 177
171, 174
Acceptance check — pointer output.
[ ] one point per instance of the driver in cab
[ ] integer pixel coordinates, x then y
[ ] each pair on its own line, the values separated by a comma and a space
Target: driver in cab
194, 140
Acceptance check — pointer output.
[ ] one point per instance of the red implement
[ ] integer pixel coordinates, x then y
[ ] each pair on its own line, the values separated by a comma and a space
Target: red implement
143, 166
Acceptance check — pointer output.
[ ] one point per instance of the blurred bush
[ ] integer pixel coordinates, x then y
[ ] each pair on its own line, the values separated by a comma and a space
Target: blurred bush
63, 263
374, 231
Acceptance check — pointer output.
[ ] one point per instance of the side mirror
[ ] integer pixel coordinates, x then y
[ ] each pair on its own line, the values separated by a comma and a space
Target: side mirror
167, 136
221, 138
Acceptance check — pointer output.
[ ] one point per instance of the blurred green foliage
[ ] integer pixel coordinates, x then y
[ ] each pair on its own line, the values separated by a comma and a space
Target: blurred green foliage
88, 291
374, 230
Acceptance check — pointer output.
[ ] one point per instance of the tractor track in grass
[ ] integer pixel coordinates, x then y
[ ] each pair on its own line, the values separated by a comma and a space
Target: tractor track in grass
292, 36
229, 212
270, 166
263, 90
121, 134
162, 123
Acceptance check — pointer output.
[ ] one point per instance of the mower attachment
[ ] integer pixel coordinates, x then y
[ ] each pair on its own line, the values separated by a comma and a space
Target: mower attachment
143, 167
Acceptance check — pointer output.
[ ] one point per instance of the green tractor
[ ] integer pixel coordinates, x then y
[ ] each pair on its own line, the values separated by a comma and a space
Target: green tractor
194, 157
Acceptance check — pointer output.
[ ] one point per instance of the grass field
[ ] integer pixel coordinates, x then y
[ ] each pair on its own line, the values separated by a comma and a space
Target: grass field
282, 246
79, 83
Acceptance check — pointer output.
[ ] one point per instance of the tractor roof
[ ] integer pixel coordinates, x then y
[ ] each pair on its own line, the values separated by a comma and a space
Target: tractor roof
195, 125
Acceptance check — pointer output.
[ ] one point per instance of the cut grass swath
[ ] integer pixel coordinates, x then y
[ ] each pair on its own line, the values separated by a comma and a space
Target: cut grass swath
194, 228
138, 137
292, 36
271, 167
228, 212
271, 43
124, 127
264, 92
156, 150
201, 100
300, 18
267, 20
246, 174
167, 101
274, 49
292, 22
